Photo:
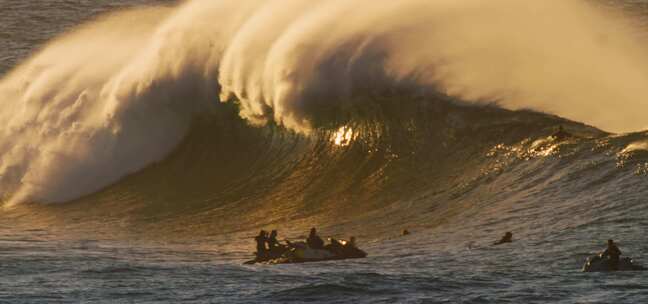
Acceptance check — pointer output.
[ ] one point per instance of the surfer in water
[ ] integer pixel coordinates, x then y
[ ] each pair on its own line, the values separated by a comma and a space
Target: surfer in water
561, 134
507, 238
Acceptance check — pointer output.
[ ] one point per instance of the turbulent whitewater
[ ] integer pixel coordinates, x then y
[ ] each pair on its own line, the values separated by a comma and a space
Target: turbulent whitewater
115, 95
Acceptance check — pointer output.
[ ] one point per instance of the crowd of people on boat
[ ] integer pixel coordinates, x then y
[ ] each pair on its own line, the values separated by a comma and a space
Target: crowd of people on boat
268, 246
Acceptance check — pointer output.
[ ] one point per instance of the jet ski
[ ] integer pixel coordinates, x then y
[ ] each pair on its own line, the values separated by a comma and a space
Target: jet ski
598, 263
299, 252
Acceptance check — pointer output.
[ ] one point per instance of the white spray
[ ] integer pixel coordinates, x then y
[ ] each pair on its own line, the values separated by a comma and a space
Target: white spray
118, 94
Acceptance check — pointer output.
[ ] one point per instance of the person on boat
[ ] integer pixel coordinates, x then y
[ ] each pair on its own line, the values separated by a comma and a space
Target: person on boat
613, 253
561, 134
352, 242
314, 241
272, 240
261, 240
507, 238
275, 249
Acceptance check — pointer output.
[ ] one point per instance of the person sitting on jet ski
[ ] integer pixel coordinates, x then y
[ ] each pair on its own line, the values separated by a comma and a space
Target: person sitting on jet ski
352, 242
613, 252
261, 239
507, 238
314, 241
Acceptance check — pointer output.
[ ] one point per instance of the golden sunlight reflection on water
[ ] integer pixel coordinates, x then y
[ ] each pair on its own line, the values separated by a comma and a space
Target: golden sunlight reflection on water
343, 136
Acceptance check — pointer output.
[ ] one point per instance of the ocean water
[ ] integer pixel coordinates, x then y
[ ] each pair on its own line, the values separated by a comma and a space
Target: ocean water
144, 143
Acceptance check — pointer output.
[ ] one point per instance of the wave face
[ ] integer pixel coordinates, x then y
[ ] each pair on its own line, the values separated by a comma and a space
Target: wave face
377, 107
406, 161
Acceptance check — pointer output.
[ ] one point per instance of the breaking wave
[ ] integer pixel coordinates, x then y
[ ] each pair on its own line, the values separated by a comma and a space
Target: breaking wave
370, 107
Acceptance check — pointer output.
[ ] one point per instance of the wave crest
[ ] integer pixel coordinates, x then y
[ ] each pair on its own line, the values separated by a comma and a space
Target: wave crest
120, 93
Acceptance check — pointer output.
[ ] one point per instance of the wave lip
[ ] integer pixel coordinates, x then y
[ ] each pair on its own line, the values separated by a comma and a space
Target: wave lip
77, 124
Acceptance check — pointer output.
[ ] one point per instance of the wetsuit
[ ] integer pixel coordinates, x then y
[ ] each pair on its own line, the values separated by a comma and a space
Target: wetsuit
613, 253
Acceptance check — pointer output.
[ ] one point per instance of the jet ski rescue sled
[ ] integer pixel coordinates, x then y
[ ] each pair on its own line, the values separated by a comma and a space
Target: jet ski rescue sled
598, 263
300, 253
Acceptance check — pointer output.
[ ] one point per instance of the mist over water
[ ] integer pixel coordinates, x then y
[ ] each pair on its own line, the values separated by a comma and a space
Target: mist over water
119, 93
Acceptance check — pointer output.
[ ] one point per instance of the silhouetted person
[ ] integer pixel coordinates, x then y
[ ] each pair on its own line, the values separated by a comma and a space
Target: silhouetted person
561, 134
272, 240
352, 242
314, 241
613, 252
507, 238
261, 240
